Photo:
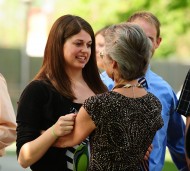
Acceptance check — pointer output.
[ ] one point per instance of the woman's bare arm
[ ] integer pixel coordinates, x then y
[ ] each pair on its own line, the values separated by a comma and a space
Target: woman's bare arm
32, 151
82, 128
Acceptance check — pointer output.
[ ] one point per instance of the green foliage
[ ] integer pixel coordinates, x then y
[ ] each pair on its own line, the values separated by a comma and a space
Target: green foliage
176, 4
174, 16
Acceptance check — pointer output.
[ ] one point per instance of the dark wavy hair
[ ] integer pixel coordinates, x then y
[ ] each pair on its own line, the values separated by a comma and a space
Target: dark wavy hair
53, 64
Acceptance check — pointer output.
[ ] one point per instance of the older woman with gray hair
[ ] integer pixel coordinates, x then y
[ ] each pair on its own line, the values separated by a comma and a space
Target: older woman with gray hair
121, 123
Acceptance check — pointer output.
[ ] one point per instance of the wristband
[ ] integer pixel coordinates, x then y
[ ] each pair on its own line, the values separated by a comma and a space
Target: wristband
53, 132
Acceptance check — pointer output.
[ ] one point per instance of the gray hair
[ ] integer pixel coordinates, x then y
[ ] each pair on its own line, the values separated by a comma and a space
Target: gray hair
129, 46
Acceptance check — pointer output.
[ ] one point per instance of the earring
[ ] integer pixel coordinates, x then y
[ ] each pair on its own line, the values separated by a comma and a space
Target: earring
101, 54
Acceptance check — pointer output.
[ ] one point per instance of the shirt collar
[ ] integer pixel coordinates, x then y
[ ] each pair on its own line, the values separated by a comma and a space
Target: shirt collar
147, 76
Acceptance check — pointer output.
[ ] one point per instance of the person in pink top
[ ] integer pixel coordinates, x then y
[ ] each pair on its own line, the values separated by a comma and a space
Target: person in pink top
7, 118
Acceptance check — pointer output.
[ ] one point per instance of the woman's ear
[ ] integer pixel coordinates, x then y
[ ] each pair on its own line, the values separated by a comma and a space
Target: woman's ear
114, 70
114, 64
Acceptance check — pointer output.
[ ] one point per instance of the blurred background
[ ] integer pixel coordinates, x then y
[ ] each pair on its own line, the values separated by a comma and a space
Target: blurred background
25, 25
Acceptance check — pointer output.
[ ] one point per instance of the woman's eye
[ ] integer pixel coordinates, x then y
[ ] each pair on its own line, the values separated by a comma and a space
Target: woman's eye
89, 45
78, 44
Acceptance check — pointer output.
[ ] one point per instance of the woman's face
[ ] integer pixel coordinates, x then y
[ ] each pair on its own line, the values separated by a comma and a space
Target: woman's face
100, 47
77, 50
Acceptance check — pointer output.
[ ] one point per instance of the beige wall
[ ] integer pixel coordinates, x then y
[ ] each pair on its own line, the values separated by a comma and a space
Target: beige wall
174, 73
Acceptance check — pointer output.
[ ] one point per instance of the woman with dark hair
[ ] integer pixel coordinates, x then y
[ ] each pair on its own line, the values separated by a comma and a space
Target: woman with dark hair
68, 76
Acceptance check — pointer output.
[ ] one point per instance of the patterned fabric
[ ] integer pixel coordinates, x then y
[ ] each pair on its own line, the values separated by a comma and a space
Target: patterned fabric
73, 157
187, 146
144, 163
183, 107
78, 156
81, 158
172, 121
125, 128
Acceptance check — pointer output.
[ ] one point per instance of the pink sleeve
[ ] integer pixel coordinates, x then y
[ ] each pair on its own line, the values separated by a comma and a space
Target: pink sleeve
7, 117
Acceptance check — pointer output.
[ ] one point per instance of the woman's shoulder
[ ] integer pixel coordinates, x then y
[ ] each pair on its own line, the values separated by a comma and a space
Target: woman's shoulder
36, 89
98, 100
101, 96
153, 98
153, 106
36, 85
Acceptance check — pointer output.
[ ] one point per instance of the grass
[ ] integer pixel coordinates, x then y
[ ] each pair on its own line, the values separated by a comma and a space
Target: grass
169, 165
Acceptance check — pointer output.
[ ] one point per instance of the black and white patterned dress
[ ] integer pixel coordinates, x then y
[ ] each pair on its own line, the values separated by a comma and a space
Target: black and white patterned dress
125, 128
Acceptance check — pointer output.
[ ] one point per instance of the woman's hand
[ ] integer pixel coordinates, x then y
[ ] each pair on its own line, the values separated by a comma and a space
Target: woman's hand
32, 151
147, 155
64, 125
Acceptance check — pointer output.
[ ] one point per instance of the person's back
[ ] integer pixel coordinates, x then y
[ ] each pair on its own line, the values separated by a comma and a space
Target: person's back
125, 129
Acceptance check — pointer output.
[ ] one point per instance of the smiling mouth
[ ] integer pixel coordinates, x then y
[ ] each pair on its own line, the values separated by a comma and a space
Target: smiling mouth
81, 58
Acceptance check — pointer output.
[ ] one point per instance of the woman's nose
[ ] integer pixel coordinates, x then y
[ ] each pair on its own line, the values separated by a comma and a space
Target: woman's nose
85, 48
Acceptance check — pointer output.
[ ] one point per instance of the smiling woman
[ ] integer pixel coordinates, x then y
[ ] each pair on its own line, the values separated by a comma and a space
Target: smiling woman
77, 50
68, 76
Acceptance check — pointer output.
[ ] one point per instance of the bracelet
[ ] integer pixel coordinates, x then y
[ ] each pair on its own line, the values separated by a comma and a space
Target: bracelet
53, 132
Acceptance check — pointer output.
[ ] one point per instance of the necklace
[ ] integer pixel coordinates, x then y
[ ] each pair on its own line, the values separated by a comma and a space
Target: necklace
127, 86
